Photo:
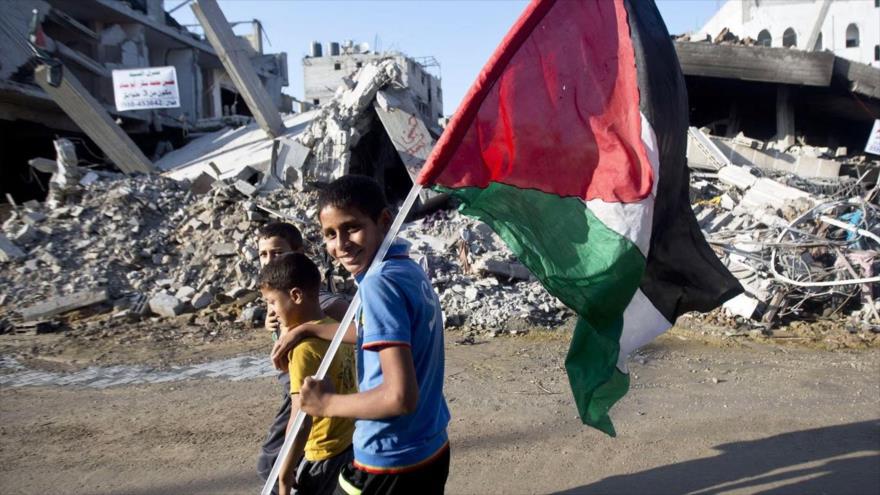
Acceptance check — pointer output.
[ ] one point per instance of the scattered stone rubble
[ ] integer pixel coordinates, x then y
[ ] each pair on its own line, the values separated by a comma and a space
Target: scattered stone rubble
149, 242
480, 283
151, 246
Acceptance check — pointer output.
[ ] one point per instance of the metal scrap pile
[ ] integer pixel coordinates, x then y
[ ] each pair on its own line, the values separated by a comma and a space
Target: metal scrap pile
802, 247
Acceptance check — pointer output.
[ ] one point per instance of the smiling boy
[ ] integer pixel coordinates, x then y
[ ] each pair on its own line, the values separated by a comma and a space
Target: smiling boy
400, 440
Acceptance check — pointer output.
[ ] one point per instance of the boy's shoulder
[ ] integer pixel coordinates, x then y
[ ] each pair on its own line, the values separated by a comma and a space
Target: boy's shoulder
310, 347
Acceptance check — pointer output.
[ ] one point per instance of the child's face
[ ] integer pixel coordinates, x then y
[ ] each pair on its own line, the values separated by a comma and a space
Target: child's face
281, 303
351, 237
271, 248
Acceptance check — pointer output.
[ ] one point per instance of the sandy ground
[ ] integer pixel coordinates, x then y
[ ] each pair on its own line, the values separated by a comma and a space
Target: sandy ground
702, 417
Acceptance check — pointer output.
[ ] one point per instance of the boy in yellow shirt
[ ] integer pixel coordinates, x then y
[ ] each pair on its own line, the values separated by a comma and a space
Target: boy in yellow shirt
290, 286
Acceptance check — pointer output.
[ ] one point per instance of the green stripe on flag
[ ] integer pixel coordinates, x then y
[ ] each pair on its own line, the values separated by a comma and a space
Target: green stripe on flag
589, 267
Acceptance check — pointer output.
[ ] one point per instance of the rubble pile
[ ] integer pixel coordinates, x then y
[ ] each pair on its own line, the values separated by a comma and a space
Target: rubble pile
330, 137
724, 37
803, 247
480, 283
147, 243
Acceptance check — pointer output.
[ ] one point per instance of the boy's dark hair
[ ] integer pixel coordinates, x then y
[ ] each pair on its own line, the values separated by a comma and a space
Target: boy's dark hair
284, 230
291, 270
354, 191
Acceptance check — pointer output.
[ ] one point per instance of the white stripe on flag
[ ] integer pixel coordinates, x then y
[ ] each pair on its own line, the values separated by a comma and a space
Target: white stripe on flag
642, 322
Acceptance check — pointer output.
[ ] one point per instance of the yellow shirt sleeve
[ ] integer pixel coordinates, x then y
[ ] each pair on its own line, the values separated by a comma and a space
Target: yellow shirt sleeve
304, 361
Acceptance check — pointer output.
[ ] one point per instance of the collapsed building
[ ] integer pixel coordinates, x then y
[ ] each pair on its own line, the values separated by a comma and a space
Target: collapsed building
90, 39
783, 99
794, 219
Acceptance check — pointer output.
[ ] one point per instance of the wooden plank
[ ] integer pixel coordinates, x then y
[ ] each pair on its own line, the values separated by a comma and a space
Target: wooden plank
94, 120
755, 63
63, 304
238, 65
860, 78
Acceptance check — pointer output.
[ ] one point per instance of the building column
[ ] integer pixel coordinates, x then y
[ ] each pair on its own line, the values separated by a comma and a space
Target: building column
784, 117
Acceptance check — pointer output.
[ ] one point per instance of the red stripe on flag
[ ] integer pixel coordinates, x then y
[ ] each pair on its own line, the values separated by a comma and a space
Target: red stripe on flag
556, 109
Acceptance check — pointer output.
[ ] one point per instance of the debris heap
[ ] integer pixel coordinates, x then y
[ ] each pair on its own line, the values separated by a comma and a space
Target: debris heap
144, 245
801, 238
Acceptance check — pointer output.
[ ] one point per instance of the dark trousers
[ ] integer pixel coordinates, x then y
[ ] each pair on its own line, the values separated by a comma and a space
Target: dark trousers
275, 438
429, 479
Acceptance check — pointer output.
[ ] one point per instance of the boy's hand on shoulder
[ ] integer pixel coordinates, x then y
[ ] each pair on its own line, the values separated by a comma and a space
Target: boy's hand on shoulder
285, 343
314, 395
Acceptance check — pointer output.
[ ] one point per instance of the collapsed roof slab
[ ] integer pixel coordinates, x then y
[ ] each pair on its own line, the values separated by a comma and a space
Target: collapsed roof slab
753, 63
230, 150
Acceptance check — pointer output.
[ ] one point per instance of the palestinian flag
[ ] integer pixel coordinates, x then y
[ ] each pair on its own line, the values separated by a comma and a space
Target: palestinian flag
571, 146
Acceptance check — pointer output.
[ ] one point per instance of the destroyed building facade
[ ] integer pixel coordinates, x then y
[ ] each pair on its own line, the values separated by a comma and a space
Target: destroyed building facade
91, 38
325, 71
848, 28
788, 95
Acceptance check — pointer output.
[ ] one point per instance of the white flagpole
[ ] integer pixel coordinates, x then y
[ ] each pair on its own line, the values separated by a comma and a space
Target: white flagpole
340, 332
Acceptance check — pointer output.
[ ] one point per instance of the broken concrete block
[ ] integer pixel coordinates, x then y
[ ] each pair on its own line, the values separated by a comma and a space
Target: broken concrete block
184, 293
250, 315
236, 292
471, 293
8, 250
88, 178
502, 268
44, 165
33, 217
247, 174
736, 176
202, 299
742, 305
202, 184
26, 234
59, 305
224, 249
768, 192
164, 283
245, 188
164, 304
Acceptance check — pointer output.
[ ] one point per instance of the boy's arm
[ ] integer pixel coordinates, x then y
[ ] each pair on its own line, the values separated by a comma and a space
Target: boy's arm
293, 336
397, 395
287, 475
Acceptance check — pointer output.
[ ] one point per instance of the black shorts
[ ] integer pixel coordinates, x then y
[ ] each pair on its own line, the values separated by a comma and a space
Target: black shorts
429, 479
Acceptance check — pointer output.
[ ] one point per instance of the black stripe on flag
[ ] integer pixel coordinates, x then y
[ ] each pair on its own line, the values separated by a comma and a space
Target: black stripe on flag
682, 273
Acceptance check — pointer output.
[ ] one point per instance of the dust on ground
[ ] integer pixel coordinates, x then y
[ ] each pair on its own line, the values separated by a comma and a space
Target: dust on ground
704, 415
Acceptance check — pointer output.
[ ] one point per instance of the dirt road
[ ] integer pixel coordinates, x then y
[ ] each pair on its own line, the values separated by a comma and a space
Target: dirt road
701, 418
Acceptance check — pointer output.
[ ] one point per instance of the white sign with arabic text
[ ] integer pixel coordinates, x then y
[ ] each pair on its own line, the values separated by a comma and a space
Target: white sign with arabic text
141, 89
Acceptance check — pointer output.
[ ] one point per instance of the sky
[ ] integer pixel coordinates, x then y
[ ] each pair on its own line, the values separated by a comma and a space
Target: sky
460, 34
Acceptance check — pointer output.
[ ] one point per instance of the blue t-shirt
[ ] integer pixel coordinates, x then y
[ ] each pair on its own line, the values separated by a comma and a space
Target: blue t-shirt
399, 307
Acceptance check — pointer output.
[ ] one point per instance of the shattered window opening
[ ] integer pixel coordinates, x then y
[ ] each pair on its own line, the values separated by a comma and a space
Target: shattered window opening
764, 38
